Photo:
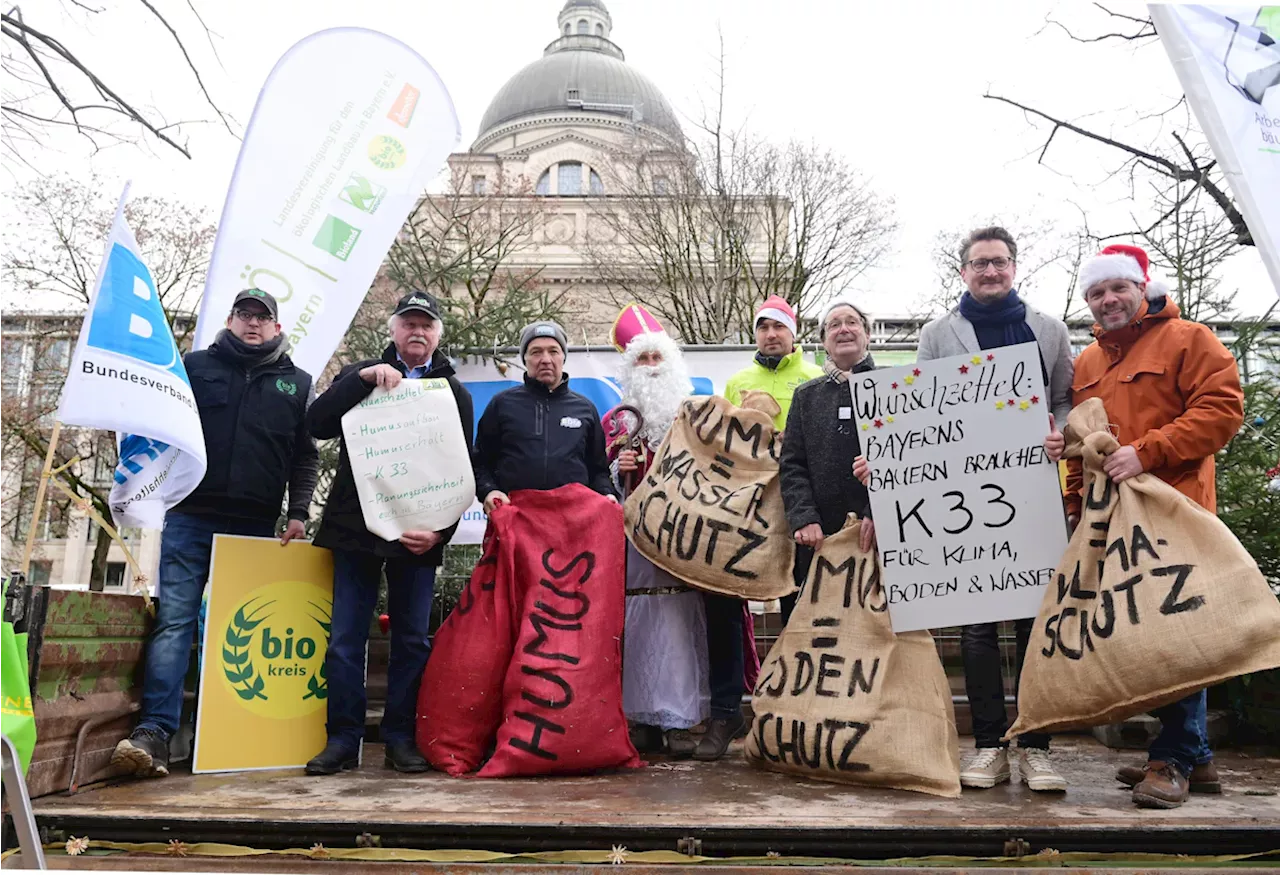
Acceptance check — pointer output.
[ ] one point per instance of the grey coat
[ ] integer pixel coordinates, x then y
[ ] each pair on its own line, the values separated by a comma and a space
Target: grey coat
952, 334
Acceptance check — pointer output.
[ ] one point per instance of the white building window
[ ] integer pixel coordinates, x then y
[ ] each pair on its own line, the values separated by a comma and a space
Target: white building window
569, 178
567, 29
596, 184
582, 26
599, 30
479, 185
660, 185
544, 183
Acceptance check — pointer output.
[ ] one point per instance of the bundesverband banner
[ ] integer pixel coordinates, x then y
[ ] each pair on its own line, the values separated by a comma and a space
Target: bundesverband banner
1228, 61
349, 129
127, 376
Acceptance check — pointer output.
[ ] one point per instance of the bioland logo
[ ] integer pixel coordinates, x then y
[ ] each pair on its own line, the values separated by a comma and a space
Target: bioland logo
336, 237
273, 649
386, 153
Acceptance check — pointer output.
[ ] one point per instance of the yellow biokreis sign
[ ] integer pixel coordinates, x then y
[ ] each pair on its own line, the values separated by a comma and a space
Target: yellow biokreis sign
263, 690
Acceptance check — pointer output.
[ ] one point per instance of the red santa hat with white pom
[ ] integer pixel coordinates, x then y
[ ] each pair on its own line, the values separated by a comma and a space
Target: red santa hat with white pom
1121, 262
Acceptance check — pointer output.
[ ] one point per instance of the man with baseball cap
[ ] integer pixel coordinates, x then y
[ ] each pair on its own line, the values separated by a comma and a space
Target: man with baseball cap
540, 434
252, 401
1172, 392
360, 557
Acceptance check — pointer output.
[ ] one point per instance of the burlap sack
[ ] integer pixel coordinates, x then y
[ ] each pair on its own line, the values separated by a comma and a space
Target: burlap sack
1153, 600
709, 510
842, 698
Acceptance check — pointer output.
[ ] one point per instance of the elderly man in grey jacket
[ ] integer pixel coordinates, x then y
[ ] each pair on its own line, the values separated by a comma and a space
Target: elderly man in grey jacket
990, 314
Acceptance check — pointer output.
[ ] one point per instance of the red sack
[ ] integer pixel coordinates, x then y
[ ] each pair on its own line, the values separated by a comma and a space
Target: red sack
460, 700
563, 691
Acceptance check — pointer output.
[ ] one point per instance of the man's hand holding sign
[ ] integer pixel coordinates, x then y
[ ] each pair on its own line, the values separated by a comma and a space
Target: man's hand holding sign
961, 478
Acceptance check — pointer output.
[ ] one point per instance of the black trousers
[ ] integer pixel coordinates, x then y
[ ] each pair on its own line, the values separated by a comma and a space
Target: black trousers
799, 571
984, 682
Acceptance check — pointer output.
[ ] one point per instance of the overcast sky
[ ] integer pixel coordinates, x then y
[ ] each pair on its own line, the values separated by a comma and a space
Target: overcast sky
897, 88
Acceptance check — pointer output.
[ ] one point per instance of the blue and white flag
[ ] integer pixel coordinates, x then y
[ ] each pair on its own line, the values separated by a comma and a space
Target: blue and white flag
127, 376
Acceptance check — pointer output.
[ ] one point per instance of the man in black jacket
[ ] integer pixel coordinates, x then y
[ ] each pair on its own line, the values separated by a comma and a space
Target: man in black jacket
252, 401
359, 556
816, 466
540, 435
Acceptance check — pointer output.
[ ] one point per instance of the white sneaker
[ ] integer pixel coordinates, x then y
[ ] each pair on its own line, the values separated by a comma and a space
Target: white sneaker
1038, 772
988, 767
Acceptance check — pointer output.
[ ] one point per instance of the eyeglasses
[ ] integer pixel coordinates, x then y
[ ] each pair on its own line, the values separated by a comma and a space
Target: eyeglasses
979, 265
253, 317
843, 323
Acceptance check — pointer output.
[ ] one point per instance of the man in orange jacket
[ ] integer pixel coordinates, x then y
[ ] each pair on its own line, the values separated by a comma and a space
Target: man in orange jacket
1172, 392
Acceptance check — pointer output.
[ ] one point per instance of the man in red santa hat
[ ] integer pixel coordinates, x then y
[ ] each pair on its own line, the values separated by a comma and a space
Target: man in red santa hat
665, 668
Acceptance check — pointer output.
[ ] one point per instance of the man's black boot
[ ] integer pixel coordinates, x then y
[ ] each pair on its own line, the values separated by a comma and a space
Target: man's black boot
403, 756
336, 756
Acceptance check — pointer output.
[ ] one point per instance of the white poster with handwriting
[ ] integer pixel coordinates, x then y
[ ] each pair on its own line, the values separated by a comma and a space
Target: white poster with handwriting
409, 458
967, 506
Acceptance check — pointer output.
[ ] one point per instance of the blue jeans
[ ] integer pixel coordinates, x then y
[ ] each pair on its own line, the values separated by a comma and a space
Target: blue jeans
410, 588
1184, 733
184, 570
724, 647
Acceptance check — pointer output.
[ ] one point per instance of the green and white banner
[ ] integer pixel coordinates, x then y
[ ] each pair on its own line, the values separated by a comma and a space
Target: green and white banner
1228, 61
349, 129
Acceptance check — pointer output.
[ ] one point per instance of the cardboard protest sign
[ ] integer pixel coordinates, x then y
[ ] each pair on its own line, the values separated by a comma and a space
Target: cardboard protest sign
709, 510
1155, 599
967, 507
265, 640
409, 458
843, 698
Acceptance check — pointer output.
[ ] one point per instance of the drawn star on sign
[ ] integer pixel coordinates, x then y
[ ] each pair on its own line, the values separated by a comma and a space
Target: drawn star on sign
893, 385
865, 426
1009, 402
1025, 405
964, 369
1035, 399
977, 359
909, 379
991, 356
879, 423
999, 405
889, 419
916, 372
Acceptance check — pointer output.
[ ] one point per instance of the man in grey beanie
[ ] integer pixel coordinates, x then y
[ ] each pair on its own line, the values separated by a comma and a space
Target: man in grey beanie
540, 434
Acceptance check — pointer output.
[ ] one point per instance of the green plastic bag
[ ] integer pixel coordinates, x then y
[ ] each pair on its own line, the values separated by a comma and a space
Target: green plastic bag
19, 723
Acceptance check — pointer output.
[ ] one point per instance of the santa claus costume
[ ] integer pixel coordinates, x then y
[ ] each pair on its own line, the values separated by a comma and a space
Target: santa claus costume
665, 665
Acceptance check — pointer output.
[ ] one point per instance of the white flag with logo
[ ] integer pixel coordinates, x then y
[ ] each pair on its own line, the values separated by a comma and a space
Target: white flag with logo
1228, 61
127, 376
349, 129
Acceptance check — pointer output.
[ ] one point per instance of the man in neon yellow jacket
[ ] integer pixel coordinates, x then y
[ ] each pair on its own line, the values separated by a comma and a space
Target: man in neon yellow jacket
779, 366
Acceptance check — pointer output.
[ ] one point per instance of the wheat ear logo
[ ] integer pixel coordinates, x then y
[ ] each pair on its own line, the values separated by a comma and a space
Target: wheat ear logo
273, 649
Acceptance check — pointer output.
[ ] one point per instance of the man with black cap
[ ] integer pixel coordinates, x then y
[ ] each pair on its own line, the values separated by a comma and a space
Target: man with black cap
540, 435
252, 401
360, 556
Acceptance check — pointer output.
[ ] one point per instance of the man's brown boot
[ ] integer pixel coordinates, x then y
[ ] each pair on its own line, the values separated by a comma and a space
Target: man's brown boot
1163, 786
1204, 777
715, 741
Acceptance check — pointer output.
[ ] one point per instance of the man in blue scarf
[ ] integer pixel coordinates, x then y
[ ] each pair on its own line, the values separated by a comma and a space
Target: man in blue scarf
990, 314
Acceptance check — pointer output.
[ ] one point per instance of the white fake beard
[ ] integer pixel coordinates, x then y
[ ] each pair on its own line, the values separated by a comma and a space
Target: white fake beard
658, 391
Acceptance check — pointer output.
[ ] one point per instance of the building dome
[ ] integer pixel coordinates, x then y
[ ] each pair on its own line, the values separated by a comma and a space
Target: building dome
582, 71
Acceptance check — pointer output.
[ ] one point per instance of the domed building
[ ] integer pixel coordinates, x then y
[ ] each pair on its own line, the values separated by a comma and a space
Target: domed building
559, 129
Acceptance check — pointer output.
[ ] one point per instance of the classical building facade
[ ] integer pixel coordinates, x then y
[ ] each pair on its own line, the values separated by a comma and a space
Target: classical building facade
571, 128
